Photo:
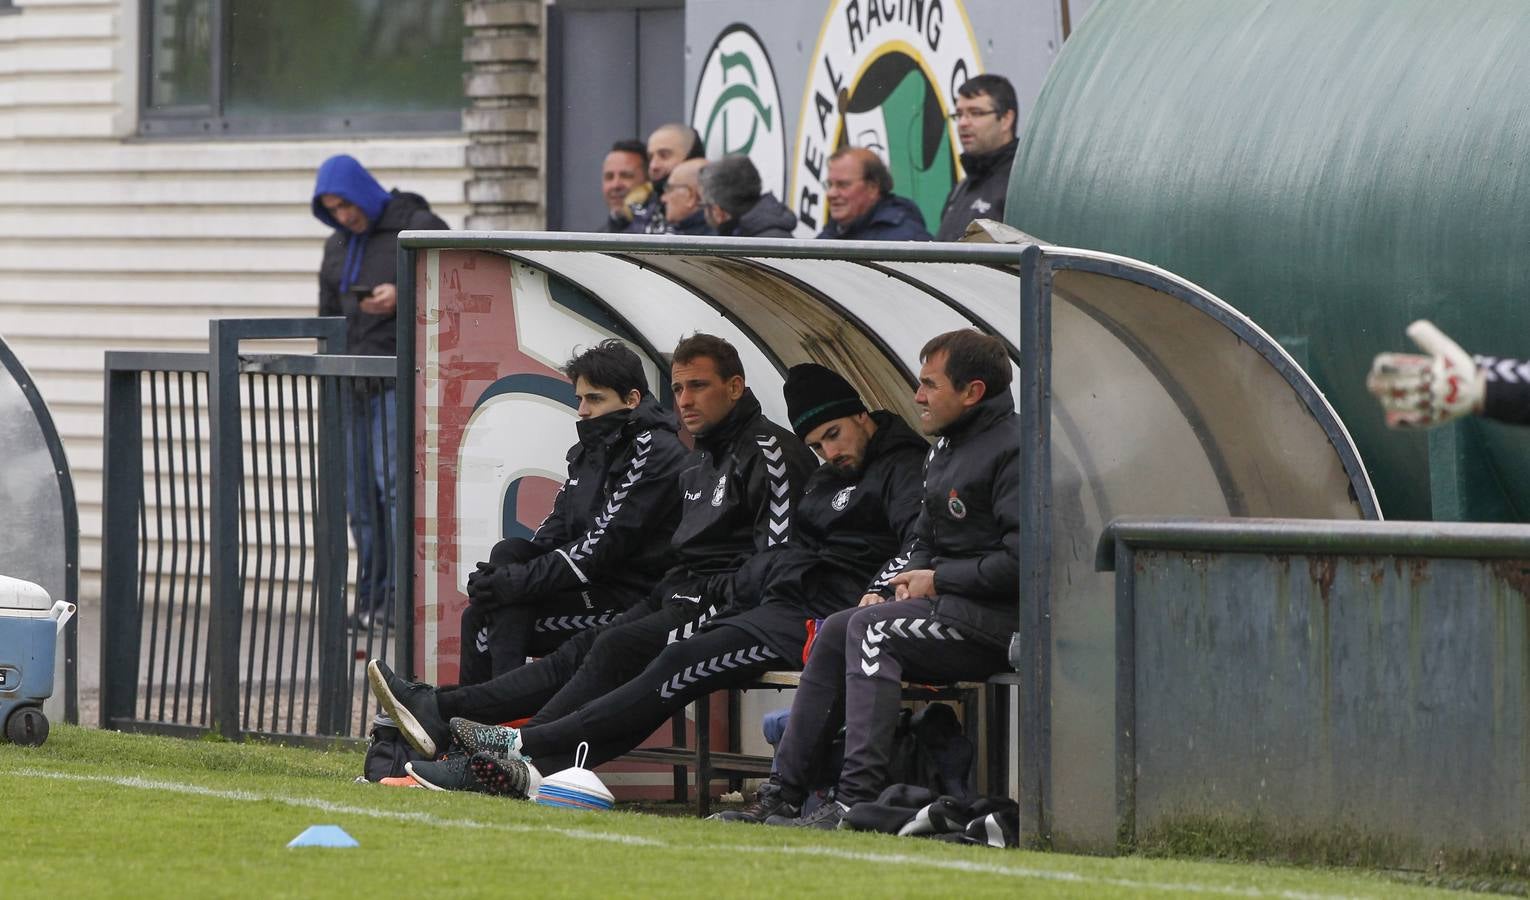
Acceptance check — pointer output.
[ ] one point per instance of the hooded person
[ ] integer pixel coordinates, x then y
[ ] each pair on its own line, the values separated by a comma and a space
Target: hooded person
356, 280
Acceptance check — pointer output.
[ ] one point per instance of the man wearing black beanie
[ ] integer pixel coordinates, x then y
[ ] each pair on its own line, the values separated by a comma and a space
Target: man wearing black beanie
855, 513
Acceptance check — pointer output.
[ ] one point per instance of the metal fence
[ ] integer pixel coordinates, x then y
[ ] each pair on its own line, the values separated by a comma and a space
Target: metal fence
230, 601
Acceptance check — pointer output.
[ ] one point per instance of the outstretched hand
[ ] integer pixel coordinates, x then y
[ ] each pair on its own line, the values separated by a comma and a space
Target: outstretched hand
1424, 391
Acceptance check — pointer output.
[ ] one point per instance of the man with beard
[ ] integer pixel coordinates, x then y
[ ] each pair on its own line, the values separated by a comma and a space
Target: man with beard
858, 509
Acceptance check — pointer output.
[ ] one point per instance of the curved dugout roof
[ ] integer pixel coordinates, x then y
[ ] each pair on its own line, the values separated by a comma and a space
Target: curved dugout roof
1164, 399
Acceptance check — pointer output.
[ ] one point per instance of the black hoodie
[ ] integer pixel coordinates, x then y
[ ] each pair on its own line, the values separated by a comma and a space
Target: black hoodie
368, 334
767, 218
738, 490
610, 523
969, 530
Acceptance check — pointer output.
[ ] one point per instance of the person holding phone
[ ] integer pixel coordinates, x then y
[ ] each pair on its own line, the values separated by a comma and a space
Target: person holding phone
357, 281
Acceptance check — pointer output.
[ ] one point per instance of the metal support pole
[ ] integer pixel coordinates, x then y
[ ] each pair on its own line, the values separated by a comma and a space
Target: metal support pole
227, 469
406, 473
1031, 655
122, 453
330, 574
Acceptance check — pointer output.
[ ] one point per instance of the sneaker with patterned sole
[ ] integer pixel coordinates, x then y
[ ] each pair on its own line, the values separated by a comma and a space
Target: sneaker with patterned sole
768, 802
826, 817
500, 740
450, 773
412, 706
505, 777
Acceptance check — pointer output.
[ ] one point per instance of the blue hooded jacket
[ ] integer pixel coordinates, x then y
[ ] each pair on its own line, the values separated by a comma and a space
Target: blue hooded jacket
344, 177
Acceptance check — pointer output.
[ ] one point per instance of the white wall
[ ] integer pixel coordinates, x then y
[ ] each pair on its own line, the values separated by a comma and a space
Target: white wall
108, 241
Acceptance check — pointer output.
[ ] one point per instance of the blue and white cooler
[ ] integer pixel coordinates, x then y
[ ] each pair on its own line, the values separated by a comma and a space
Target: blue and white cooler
29, 627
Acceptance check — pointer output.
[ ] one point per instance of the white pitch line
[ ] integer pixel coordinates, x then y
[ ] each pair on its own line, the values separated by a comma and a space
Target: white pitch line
884, 859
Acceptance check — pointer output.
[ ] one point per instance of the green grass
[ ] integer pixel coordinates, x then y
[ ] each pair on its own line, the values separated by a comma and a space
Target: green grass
93, 813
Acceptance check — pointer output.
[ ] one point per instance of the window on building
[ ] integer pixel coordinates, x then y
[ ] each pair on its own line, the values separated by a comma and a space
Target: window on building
249, 67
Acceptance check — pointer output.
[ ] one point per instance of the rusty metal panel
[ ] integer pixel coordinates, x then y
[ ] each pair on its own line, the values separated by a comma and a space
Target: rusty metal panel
1317, 688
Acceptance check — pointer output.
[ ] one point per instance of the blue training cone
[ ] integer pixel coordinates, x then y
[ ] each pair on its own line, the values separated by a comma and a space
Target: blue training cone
323, 836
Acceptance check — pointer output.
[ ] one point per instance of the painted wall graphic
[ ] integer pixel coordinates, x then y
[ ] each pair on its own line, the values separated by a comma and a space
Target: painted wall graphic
737, 106
884, 77
494, 420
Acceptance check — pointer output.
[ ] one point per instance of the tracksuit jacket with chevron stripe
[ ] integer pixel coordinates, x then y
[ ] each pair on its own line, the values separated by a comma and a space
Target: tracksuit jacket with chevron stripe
969, 529
1507, 397
738, 490
610, 523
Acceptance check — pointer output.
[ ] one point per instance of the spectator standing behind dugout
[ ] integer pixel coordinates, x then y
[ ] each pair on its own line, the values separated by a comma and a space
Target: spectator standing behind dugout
623, 179
858, 509
862, 205
668, 146
683, 212
737, 493
950, 607
730, 193
356, 280
985, 123
606, 542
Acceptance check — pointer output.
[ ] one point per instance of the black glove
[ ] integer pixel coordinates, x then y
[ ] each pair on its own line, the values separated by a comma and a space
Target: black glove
497, 585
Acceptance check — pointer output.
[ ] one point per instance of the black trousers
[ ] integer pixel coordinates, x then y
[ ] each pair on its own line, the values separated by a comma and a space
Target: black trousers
721, 657
593, 662
854, 675
498, 639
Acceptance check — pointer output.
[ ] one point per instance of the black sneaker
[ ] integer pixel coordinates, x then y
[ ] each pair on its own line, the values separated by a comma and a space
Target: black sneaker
412, 706
450, 773
826, 817
504, 777
768, 802
500, 740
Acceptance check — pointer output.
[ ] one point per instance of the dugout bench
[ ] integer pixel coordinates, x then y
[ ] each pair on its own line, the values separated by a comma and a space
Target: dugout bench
987, 729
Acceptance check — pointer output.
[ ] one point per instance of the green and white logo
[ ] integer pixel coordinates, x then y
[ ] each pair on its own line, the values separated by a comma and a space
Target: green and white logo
737, 109
884, 76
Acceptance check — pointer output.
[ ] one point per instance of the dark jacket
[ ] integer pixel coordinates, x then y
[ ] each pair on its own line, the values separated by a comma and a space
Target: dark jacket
843, 530
695, 223
981, 194
738, 490
611, 521
894, 218
368, 259
969, 529
767, 218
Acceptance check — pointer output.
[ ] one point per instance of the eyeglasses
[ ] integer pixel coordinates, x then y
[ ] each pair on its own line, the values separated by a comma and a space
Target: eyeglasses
971, 114
844, 185
671, 188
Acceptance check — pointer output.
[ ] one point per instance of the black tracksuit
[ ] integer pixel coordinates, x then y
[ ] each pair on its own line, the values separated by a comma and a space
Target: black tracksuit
737, 492
969, 533
1503, 399
843, 530
981, 194
602, 548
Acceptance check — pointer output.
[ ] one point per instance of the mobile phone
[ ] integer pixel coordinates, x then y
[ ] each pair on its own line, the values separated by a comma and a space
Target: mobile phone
360, 292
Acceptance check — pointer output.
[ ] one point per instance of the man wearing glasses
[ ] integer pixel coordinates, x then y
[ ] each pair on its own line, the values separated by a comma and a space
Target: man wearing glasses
862, 206
683, 211
985, 120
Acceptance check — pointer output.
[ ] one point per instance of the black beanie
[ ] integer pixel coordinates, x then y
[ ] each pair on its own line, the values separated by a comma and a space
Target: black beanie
814, 395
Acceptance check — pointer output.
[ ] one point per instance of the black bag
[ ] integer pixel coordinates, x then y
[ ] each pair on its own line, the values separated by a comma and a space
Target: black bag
387, 751
930, 750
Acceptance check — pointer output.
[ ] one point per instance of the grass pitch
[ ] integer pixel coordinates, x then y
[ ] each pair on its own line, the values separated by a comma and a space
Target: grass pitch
95, 813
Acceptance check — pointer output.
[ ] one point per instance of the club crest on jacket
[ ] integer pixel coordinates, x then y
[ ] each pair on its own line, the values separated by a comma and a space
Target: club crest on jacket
721, 491
956, 506
842, 499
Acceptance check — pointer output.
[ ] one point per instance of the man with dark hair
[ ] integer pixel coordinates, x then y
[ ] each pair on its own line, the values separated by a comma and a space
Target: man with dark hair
604, 545
862, 206
730, 193
951, 601
356, 280
858, 509
668, 146
985, 120
737, 492
624, 180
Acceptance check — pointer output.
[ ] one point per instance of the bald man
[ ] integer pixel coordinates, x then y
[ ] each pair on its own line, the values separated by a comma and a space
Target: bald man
668, 146
684, 212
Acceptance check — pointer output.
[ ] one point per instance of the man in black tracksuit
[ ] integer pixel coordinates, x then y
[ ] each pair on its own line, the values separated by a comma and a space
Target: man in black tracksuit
606, 542
737, 492
858, 510
954, 595
985, 123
